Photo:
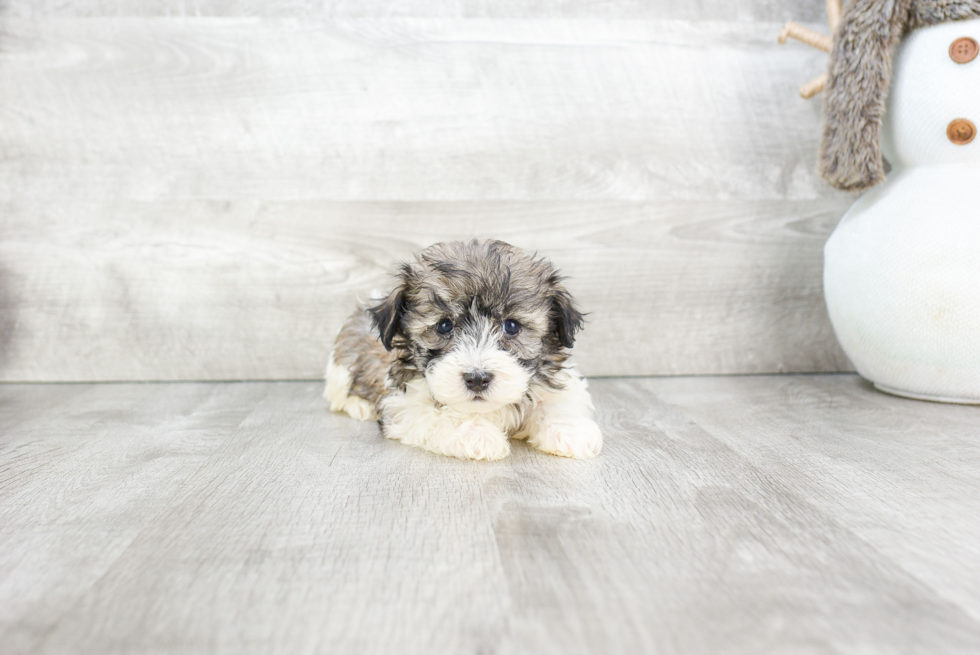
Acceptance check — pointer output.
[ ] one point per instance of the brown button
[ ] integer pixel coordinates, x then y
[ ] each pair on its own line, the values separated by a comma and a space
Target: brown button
964, 50
961, 131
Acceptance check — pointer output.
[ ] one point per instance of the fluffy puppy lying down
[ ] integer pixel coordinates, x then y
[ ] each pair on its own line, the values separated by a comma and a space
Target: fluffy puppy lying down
472, 350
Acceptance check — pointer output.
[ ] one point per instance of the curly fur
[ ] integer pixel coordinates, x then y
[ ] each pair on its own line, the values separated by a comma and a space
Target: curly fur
391, 360
860, 71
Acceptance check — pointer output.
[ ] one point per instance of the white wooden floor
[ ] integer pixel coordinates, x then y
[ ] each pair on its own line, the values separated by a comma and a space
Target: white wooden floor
793, 514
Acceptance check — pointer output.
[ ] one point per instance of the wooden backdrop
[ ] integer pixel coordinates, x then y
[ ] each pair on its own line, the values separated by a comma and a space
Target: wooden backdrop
199, 189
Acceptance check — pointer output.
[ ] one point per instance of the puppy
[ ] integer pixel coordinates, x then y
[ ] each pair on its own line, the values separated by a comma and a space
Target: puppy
468, 350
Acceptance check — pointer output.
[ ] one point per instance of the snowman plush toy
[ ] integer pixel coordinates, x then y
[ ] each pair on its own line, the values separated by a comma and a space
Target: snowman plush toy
902, 269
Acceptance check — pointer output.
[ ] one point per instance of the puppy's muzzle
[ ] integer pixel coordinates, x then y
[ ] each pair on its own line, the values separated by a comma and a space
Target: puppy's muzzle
477, 381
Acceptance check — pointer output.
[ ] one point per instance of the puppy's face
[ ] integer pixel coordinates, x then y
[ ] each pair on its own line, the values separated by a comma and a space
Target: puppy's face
480, 321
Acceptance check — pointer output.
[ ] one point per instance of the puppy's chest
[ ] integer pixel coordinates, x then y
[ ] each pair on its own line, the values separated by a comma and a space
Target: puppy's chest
509, 418
415, 402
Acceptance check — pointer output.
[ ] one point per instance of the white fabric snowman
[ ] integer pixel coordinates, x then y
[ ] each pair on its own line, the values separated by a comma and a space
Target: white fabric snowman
902, 269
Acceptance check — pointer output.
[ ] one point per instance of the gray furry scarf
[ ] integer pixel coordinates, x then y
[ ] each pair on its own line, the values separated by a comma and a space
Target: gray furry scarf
860, 73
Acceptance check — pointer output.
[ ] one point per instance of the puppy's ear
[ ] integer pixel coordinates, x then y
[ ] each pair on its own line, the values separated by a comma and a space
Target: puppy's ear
387, 316
566, 320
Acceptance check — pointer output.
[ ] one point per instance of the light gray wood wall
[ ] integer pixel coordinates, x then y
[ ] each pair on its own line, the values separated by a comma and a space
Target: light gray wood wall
200, 189
697, 10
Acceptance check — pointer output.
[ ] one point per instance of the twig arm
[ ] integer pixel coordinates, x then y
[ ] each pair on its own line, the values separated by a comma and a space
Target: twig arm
833, 14
814, 86
806, 35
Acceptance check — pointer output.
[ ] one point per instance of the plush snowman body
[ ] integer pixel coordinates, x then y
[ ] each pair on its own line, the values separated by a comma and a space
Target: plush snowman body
902, 269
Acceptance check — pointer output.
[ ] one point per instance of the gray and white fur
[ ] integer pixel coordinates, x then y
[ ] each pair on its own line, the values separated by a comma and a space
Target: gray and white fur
860, 71
469, 349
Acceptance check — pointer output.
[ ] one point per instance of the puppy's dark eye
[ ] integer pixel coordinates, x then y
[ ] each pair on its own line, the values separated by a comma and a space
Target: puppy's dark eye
511, 327
445, 326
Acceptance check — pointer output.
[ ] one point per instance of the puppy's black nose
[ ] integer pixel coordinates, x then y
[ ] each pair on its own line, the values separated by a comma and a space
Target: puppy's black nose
477, 380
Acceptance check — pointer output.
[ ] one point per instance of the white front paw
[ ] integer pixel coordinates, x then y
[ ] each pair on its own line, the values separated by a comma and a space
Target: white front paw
360, 409
579, 438
477, 441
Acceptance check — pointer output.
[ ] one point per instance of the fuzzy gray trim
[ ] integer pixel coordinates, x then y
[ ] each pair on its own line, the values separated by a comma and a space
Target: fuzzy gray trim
860, 71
